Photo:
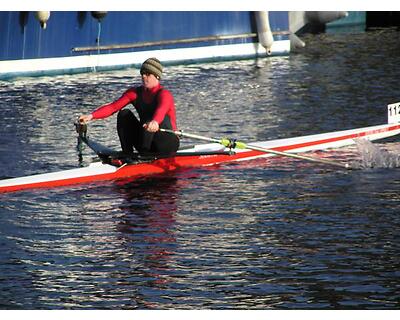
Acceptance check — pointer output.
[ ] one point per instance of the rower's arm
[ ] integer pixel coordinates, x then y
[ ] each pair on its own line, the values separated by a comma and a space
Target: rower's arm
111, 108
165, 105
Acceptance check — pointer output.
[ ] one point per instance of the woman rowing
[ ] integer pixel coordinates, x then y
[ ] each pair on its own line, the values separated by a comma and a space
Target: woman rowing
156, 109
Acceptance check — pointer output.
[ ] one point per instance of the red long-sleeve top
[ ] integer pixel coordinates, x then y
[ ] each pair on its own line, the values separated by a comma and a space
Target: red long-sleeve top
165, 106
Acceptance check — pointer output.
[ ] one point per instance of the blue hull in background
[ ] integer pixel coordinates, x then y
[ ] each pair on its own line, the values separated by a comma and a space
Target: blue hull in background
74, 42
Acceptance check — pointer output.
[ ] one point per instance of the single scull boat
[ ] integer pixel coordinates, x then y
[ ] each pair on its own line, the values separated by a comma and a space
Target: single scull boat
110, 168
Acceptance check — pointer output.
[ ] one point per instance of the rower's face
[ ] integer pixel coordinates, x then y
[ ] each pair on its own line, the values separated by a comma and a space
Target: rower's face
149, 80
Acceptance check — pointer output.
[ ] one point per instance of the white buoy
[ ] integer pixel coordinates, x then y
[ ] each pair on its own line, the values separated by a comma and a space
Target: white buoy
264, 30
43, 17
295, 42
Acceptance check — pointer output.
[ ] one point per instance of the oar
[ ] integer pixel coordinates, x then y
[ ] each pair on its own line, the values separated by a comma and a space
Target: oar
240, 145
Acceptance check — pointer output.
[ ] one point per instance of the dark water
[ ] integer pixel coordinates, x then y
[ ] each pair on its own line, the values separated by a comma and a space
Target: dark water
261, 234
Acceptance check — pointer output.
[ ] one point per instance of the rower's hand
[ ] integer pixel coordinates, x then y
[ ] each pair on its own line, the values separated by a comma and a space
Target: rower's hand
85, 118
152, 126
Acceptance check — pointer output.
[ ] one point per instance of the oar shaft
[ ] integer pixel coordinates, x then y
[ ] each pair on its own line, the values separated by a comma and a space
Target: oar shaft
298, 156
190, 135
242, 145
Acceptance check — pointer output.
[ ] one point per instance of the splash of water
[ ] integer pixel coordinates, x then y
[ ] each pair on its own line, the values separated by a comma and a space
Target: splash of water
374, 157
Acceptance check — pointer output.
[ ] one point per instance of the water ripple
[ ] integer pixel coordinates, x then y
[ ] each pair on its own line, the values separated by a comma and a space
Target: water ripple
271, 233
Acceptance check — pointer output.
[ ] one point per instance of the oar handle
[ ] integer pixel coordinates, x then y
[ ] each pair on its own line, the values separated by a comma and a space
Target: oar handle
81, 128
180, 133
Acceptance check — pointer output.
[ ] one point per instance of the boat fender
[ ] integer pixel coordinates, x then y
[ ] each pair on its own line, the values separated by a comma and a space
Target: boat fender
264, 30
295, 42
99, 15
43, 17
323, 17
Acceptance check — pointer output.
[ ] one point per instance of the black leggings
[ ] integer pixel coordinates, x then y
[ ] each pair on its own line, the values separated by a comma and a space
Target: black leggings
132, 134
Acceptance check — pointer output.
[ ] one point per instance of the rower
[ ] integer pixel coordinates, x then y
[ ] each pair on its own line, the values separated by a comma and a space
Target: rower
156, 109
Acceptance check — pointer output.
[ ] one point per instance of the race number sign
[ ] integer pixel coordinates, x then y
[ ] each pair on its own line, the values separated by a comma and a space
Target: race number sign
394, 112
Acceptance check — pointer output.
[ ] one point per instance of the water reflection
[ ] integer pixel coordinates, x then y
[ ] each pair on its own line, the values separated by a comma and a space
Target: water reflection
147, 218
